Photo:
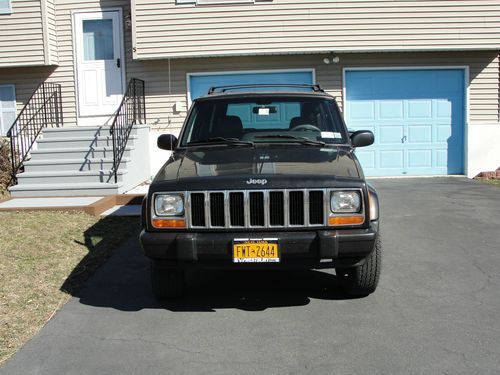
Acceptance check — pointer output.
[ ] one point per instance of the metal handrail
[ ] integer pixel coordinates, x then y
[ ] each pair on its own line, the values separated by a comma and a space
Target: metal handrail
43, 110
222, 89
132, 111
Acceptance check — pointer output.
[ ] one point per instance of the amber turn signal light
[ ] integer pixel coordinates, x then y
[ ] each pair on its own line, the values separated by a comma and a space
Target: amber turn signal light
345, 220
169, 223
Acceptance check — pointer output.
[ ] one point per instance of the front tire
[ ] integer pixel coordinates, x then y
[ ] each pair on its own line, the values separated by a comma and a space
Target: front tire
362, 280
166, 282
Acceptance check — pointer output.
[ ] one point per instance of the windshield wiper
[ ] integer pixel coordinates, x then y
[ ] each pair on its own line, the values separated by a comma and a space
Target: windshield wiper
301, 140
220, 141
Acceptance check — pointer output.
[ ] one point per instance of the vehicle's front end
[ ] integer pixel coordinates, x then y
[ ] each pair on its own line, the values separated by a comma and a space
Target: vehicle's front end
254, 202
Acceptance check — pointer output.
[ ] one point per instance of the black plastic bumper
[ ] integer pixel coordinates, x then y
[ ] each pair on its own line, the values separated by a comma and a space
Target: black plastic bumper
302, 249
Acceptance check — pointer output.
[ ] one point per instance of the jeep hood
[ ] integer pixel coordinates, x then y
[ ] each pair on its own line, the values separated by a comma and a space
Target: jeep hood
280, 162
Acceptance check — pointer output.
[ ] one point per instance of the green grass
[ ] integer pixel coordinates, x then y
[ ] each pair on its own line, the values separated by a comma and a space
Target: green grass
44, 257
490, 181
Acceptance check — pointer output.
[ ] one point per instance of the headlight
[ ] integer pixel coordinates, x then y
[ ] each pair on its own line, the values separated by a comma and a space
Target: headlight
169, 205
345, 202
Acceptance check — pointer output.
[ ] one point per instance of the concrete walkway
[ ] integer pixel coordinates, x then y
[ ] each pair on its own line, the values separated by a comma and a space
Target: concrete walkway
436, 310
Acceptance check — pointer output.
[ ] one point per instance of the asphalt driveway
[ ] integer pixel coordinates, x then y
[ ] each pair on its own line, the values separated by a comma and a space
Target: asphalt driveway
437, 309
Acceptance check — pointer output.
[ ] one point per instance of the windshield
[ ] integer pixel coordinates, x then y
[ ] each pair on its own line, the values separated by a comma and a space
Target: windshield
265, 120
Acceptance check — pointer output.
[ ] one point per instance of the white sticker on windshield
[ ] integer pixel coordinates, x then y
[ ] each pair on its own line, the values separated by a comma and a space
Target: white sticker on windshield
263, 111
334, 135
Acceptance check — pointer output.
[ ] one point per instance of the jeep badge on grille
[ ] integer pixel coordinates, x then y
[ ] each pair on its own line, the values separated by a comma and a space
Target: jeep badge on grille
254, 181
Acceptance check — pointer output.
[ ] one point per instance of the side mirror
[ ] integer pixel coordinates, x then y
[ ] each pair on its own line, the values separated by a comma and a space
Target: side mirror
362, 138
167, 142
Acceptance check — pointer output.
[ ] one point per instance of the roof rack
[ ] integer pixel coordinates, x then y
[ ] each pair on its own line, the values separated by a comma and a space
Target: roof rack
222, 89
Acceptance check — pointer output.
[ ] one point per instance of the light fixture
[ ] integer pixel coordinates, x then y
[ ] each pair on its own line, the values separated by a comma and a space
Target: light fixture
332, 59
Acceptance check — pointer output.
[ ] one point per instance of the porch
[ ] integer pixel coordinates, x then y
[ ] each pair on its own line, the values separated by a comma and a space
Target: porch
50, 159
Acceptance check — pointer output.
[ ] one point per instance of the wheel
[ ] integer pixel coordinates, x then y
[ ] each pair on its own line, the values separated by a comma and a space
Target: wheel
166, 282
306, 128
362, 280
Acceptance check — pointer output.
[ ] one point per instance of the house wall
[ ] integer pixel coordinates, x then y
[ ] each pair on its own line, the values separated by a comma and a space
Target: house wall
64, 74
164, 90
21, 35
26, 80
163, 93
166, 29
50, 32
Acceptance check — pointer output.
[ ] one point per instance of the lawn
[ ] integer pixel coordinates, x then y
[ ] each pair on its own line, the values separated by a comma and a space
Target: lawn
44, 257
490, 181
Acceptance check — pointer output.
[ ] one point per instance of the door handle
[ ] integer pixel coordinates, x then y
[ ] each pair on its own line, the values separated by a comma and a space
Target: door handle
118, 63
403, 140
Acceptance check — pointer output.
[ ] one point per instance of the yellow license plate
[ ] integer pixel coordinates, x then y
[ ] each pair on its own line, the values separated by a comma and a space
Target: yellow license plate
263, 250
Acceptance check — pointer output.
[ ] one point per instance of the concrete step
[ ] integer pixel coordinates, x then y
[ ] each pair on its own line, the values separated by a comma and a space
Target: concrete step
65, 190
79, 131
77, 153
76, 131
71, 142
51, 177
73, 165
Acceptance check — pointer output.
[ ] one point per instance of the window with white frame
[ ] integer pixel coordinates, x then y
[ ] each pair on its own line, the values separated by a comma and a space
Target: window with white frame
219, 2
7, 108
5, 7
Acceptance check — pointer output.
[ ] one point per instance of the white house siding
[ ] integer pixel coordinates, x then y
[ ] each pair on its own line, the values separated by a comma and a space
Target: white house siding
164, 29
21, 35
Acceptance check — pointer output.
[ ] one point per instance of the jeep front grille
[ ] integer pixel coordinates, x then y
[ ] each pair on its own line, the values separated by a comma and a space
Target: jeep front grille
257, 208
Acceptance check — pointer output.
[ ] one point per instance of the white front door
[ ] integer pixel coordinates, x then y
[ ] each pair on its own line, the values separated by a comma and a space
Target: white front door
99, 62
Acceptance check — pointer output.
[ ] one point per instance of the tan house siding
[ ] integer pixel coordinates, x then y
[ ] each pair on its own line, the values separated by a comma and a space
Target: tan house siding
25, 80
21, 35
164, 29
51, 33
162, 93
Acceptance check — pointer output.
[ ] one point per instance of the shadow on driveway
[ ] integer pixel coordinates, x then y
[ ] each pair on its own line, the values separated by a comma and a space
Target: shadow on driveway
123, 284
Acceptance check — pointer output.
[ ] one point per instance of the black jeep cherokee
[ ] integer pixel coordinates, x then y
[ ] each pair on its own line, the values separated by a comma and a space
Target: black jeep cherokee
258, 180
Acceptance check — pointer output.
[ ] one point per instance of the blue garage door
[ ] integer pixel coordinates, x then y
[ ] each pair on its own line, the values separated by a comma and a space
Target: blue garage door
417, 117
199, 84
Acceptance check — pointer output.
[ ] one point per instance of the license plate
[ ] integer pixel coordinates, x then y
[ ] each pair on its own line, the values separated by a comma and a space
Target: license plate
255, 250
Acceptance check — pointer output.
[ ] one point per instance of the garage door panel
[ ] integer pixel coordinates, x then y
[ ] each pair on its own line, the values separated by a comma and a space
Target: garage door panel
391, 159
441, 158
419, 133
443, 133
363, 110
367, 158
418, 119
419, 109
449, 83
391, 109
444, 108
420, 158
390, 134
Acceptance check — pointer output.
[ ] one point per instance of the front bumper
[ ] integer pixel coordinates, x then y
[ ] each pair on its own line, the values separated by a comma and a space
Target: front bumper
298, 249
